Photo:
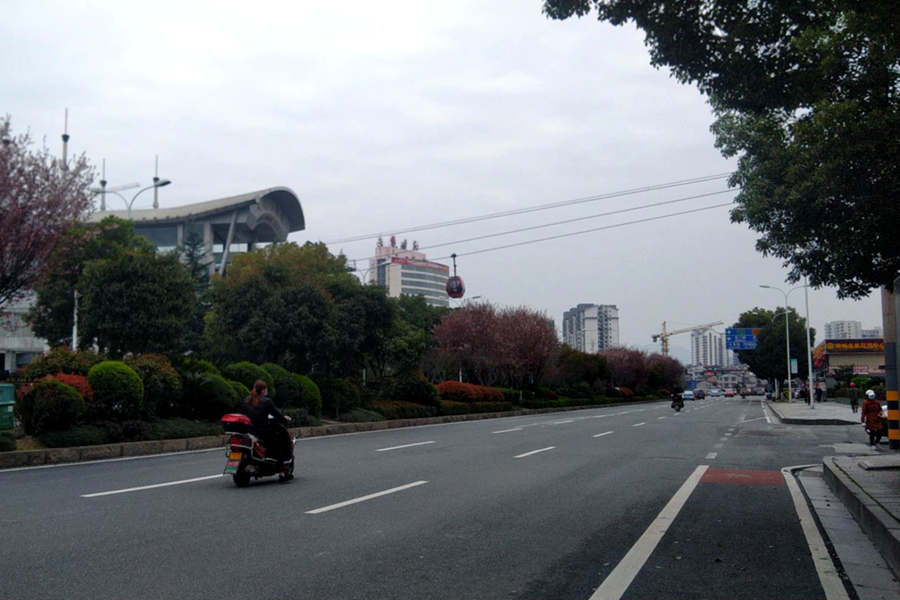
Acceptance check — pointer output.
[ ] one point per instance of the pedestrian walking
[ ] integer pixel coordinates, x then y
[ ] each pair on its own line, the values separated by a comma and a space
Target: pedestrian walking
872, 419
805, 392
819, 393
853, 393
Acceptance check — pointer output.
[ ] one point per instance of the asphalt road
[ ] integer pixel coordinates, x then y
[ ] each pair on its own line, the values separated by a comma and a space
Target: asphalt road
529, 507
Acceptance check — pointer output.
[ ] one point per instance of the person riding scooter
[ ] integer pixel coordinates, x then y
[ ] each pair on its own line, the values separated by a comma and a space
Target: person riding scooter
677, 401
259, 408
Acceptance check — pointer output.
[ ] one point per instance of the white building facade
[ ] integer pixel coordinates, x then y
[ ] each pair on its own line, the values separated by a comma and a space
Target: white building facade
708, 349
876, 333
18, 344
591, 327
409, 272
843, 330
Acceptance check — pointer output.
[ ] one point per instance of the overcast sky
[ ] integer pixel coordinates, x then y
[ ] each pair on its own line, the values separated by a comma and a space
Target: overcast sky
388, 115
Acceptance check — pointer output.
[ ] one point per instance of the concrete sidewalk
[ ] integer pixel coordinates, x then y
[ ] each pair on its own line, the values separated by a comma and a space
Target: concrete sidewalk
867, 484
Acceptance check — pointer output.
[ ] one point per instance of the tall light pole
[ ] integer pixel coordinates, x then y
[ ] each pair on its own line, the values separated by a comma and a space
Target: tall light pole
787, 331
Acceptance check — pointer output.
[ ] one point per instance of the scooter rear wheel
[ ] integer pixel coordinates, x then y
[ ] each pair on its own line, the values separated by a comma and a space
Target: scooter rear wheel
241, 478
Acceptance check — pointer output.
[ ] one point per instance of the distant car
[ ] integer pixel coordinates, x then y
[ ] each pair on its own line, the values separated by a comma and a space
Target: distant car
729, 393
688, 395
699, 394
714, 392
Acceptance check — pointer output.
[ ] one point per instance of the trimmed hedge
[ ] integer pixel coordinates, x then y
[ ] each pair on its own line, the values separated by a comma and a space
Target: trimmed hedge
301, 418
361, 415
118, 390
486, 407
176, 429
402, 410
7, 442
208, 396
449, 407
295, 391
338, 395
417, 390
248, 373
240, 389
49, 406
61, 360
79, 382
310, 396
468, 392
510, 395
89, 435
162, 384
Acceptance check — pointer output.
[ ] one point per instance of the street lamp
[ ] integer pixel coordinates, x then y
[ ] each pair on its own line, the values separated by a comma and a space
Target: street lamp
787, 333
129, 204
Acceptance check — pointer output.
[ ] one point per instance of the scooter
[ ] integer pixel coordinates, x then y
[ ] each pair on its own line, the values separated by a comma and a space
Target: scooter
247, 454
677, 402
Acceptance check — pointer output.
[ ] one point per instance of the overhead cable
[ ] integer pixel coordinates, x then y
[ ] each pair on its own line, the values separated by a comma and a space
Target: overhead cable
539, 207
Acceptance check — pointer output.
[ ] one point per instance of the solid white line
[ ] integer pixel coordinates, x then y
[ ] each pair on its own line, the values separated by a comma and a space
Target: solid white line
614, 586
508, 430
638, 424
712, 455
751, 420
535, 451
563, 422
149, 487
828, 575
602, 434
364, 498
109, 460
404, 446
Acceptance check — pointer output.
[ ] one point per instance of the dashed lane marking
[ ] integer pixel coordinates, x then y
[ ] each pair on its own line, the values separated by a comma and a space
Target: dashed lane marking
404, 446
712, 455
149, 487
508, 430
364, 498
535, 451
602, 434
638, 424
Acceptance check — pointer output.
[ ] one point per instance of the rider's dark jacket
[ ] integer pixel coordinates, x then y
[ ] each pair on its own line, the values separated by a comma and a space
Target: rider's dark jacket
259, 414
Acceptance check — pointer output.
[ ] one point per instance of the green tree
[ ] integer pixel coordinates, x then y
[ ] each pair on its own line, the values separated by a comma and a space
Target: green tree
806, 96
82, 244
769, 359
136, 302
193, 253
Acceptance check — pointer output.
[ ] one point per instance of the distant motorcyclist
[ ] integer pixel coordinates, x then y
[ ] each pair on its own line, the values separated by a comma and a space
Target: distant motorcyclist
677, 400
259, 407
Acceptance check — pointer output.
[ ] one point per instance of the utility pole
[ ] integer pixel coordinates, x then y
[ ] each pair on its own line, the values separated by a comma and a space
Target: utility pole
890, 307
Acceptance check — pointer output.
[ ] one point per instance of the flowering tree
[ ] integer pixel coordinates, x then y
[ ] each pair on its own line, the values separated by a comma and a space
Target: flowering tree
628, 366
40, 198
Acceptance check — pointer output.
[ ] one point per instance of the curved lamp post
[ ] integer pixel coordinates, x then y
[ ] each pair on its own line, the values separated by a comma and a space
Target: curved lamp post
129, 204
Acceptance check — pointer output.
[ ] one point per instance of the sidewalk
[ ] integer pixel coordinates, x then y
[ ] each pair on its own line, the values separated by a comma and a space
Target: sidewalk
868, 484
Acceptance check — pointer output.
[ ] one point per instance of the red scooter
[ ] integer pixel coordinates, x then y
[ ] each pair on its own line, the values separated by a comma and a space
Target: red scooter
247, 454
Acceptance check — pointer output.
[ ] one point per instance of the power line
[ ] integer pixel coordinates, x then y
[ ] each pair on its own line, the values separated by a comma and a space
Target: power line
606, 214
565, 235
539, 207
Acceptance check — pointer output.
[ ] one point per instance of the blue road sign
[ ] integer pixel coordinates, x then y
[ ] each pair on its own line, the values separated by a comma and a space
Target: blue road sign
740, 338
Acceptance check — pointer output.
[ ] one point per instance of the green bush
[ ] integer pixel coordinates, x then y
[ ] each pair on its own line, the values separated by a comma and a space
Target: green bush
162, 384
127, 431
248, 373
89, 435
417, 390
300, 417
61, 360
510, 395
338, 395
49, 406
449, 407
208, 396
118, 390
176, 429
612, 393
361, 415
240, 389
288, 389
7, 442
486, 407
403, 410
187, 364
310, 396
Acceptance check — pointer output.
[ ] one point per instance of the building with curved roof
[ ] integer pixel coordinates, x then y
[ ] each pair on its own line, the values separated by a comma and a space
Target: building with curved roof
227, 225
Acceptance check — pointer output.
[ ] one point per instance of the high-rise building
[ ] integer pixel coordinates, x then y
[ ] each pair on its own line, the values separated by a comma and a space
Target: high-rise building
843, 330
708, 348
591, 327
876, 333
409, 272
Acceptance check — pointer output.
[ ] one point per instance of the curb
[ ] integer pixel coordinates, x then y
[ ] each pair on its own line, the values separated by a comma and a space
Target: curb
56, 456
877, 523
796, 421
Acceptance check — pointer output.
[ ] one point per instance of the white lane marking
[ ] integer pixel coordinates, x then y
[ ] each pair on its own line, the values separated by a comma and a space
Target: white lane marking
149, 487
828, 575
751, 420
602, 434
535, 451
768, 418
719, 446
614, 586
638, 424
563, 422
364, 498
712, 455
658, 418
109, 460
724, 439
508, 430
727, 434
404, 446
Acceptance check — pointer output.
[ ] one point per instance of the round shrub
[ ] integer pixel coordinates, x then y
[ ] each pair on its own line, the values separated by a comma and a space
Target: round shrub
301, 418
61, 360
240, 389
248, 374
162, 384
210, 396
118, 390
289, 389
49, 406
79, 382
310, 396
186, 364
457, 391
338, 395
417, 390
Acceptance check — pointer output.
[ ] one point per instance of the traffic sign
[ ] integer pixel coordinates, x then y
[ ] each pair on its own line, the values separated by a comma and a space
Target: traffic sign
741, 338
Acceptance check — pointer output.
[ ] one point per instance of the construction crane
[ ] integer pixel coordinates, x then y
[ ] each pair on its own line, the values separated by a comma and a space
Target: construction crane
664, 336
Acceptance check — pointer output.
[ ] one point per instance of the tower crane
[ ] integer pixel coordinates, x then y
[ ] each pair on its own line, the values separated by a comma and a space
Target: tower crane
664, 336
